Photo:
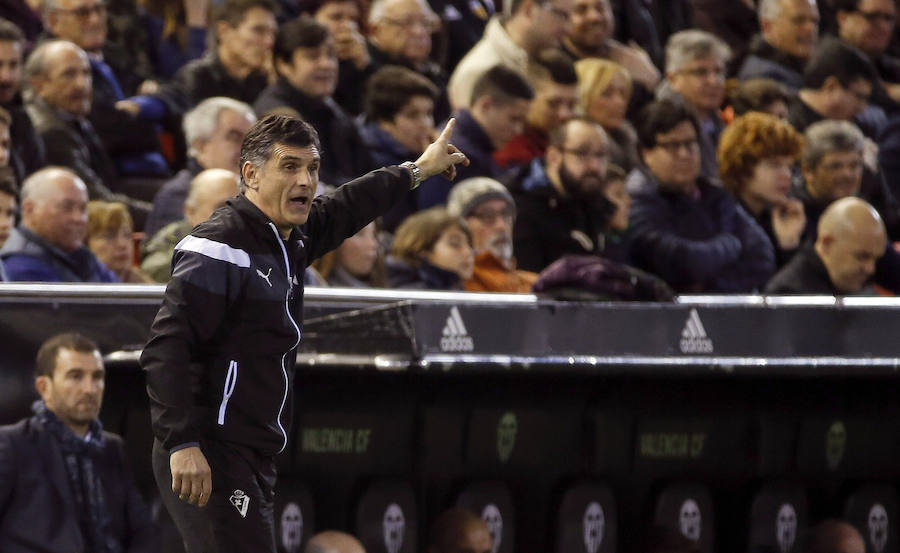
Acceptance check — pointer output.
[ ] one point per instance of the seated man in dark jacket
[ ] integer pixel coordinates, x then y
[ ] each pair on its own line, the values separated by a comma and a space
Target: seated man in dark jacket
790, 29
500, 101
851, 239
58, 103
560, 202
48, 246
307, 66
64, 483
684, 228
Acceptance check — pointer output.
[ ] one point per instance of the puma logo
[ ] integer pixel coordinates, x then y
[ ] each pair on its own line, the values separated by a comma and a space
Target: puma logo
265, 276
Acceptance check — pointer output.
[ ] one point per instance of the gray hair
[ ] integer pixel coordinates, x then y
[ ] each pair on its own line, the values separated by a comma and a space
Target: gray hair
38, 63
34, 185
770, 9
690, 45
376, 11
830, 136
200, 123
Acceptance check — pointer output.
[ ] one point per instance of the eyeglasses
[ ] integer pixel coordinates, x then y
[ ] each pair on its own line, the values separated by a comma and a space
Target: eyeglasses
705, 72
489, 216
674, 146
85, 12
558, 12
875, 17
587, 155
430, 24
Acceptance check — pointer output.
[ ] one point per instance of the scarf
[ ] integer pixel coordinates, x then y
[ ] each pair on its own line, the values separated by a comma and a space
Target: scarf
80, 457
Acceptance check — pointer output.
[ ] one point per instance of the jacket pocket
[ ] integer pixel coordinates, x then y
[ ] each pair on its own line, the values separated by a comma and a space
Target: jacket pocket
230, 381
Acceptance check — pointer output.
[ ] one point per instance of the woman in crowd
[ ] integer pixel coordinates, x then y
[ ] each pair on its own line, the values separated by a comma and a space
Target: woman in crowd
757, 156
109, 236
357, 263
9, 206
432, 250
604, 90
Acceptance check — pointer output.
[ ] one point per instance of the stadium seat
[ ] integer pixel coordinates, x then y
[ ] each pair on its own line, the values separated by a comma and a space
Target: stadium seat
688, 508
587, 519
873, 509
295, 515
841, 446
779, 517
493, 502
386, 518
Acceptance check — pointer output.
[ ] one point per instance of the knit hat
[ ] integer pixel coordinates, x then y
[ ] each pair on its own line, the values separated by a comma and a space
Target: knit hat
470, 193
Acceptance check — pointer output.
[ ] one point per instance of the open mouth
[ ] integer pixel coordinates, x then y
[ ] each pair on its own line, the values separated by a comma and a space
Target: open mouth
301, 199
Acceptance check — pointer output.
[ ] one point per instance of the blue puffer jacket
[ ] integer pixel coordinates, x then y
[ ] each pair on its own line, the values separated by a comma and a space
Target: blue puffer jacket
704, 244
29, 258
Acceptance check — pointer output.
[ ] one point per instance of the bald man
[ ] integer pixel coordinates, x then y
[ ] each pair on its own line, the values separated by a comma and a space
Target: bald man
851, 239
835, 536
48, 245
457, 530
208, 191
332, 541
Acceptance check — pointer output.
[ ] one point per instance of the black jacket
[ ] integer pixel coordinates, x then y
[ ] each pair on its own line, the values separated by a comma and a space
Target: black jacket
27, 155
804, 274
344, 155
221, 354
37, 509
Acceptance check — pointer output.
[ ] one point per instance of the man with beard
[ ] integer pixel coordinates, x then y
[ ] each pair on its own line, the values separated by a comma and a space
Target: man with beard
64, 484
490, 211
851, 239
560, 202
27, 147
683, 227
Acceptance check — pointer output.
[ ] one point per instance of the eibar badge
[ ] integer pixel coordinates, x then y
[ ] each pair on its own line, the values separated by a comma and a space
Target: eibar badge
241, 502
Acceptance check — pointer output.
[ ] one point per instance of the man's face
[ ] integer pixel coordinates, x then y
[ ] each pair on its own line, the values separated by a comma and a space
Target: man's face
339, 17
80, 21
553, 105
59, 213
74, 393
284, 187
551, 23
581, 163
701, 82
223, 149
850, 257
592, 23
838, 175
796, 28
5, 145
504, 120
845, 102
404, 30
67, 84
491, 225
413, 126
675, 160
609, 107
8, 209
870, 26
252, 39
10, 70
313, 71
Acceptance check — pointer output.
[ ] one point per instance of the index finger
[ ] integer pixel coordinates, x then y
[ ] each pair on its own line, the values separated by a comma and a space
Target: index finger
448, 131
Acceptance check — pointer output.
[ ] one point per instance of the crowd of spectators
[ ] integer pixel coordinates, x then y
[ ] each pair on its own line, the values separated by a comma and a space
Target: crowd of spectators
735, 146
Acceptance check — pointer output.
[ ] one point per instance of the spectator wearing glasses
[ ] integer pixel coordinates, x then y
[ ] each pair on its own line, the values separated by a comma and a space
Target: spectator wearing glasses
400, 34
789, 32
511, 42
869, 25
490, 211
131, 141
695, 74
683, 227
561, 208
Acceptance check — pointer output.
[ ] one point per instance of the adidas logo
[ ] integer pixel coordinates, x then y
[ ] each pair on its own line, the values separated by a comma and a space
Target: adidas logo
693, 337
455, 337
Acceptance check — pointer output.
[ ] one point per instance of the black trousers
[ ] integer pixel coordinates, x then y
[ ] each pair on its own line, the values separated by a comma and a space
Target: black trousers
239, 516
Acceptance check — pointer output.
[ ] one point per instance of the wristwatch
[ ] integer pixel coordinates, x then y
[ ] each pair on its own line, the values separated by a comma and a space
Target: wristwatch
414, 172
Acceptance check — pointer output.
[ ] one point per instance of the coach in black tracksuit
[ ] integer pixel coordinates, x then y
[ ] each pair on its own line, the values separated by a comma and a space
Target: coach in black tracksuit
221, 354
